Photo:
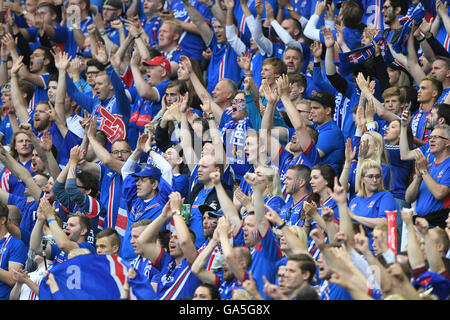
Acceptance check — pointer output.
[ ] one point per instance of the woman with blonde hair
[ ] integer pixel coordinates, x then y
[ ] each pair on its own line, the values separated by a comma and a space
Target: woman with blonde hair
372, 201
371, 146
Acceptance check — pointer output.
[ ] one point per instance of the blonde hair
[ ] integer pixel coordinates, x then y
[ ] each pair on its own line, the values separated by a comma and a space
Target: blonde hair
381, 155
300, 233
273, 178
78, 252
366, 166
241, 294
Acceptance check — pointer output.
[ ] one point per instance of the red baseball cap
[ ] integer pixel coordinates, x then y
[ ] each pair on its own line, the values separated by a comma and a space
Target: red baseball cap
159, 61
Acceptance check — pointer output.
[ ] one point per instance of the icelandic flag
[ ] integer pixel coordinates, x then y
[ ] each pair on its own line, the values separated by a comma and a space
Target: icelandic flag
95, 277
349, 60
400, 46
381, 41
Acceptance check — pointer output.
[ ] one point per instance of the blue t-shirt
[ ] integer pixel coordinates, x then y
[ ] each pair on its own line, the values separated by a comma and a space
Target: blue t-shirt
139, 209
264, 259
11, 250
59, 256
223, 64
176, 280
426, 202
331, 142
373, 207
191, 43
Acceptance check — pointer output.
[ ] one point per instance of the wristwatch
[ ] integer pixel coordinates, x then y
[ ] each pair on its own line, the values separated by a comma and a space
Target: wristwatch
136, 36
24, 12
102, 32
176, 212
422, 172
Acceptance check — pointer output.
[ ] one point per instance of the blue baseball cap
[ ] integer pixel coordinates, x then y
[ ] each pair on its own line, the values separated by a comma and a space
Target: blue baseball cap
433, 280
149, 171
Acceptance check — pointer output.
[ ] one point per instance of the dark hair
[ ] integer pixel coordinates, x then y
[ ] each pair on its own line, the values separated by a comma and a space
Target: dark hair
351, 14
109, 232
303, 172
328, 173
307, 293
181, 85
4, 211
443, 111
306, 264
27, 88
402, 4
51, 68
89, 182
164, 238
95, 63
213, 291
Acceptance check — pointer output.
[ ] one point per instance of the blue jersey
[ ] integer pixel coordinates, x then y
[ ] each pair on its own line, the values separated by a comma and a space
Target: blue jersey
264, 259
110, 194
139, 209
331, 291
176, 280
292, 212
223, 64
191, 43
11, 250
373, 207
28, 211
144, 266
426, 202
73, 200
10, 183
400, 170
332, 143
151, 27
142, 112
6, 131
59, 256
196, 217
181, 184
119, 104
234, 134
418, 124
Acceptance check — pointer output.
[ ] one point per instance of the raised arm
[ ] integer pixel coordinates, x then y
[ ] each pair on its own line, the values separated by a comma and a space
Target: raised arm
184, 237
16, 94
197, 18
199, 266
294, 116
21, 173
226, 204
295, 243
148, 238
432, 254
258, 203
62, 240
103, 154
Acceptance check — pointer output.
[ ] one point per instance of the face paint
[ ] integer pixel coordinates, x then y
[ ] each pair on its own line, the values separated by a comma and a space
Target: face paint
241, 107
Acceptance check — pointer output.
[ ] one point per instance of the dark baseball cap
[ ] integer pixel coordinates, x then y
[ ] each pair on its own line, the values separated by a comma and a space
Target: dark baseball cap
114, 3
324, 98
213, 209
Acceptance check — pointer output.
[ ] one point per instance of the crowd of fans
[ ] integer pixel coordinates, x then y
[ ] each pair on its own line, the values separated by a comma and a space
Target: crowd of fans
267, 150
